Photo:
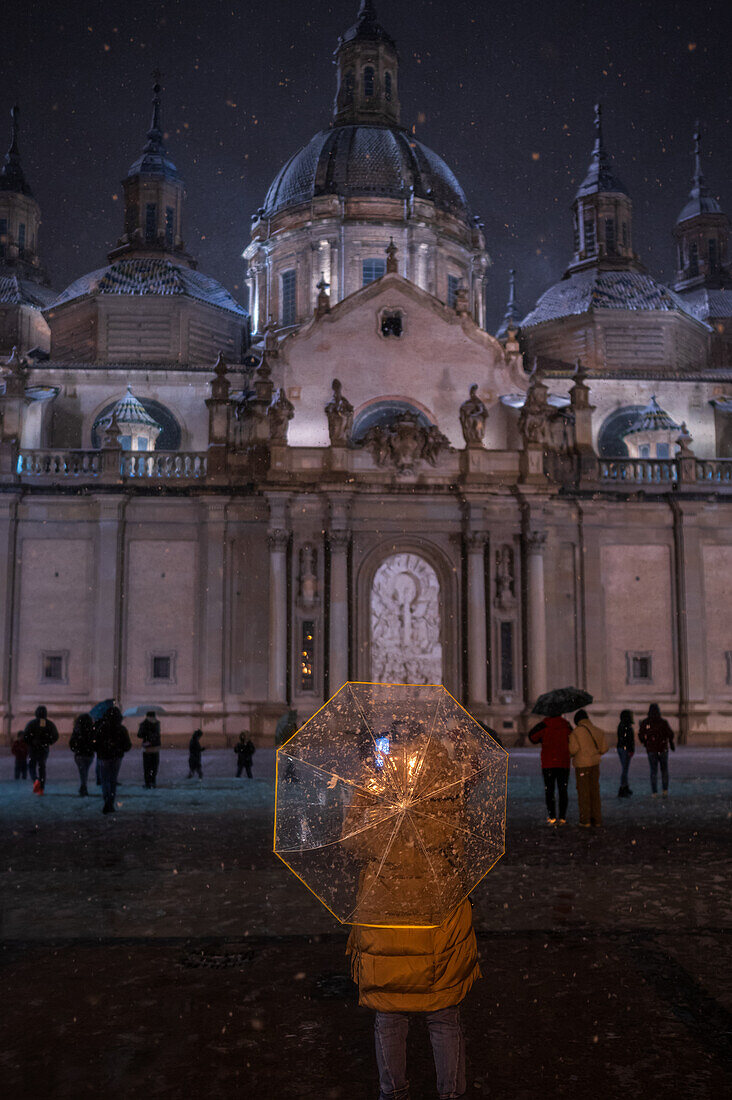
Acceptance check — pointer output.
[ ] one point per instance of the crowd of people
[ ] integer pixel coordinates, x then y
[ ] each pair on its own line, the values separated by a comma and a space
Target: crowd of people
107, 739
583, 746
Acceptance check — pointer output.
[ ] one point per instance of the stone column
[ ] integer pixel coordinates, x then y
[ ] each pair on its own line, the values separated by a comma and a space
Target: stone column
8, 588
212, 643
277, 539
477, 667
536, 615
338, 619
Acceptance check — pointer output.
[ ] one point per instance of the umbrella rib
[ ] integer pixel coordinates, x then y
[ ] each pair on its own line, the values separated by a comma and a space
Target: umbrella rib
324, 771
387, 761
343, 836
453, 825
454, 783
420, 764
387, 849
426, 855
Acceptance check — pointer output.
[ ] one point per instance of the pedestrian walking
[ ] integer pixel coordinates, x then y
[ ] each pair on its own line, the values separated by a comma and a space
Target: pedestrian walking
83, 746
195, 748
39, 735
244, 749
655, 733
587, 744
626, 749
553, 734
149, 733
112, 742
19, 750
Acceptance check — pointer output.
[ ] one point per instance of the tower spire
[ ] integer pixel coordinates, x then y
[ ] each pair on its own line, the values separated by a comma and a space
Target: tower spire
367, 73
698, 177
512, 316
155, 133
11, 172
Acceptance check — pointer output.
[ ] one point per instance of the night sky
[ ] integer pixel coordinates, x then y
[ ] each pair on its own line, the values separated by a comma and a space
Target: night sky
504, 92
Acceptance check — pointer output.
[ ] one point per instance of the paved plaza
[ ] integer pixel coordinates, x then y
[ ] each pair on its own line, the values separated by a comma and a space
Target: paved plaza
164, 949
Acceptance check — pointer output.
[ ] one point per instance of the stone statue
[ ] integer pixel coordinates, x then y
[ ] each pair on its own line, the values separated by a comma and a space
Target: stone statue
684, 441
339, 412
504, 577
473, 417
280, 412
308, 576
535, 412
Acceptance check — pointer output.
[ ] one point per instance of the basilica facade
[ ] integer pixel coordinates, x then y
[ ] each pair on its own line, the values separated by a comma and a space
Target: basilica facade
227, 511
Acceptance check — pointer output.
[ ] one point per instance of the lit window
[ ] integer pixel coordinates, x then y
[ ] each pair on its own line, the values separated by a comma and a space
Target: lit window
638, 668
125, 442
453, 285
151, 221
368, 82
589, 235
53, 668
161, 668
288, 298
387, 87
307, 656
372, 269
610, 234
169, 216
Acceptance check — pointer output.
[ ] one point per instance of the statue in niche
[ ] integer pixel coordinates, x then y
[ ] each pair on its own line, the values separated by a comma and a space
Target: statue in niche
308, 575
505, 594
280, 413
339, 412
473, 417
405, 622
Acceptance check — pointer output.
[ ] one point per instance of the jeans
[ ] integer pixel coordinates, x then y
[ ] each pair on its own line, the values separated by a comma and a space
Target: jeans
109, 770
150, 764
83, 763
654, 759
448, 1050
625, 759
37, 761
560, 776
21, 767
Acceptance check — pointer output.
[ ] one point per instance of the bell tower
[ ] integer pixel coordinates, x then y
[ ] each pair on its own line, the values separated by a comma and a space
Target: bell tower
368, 74
702, 235
20, 215
154, 193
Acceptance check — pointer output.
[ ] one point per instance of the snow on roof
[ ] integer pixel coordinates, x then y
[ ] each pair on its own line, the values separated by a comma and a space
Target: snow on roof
596, 288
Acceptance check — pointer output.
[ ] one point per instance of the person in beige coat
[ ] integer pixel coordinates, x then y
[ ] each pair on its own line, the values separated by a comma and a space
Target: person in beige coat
587, 744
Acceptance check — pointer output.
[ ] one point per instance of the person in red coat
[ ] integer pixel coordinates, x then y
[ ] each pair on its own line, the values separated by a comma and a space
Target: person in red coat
553, 734
657, 736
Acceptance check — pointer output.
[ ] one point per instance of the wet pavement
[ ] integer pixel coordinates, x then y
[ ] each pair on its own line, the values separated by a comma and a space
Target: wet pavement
163, 948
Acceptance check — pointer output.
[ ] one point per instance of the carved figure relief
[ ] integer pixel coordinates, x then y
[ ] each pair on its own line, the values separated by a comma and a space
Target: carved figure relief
473, 417
404, 442
339, 412
406, 645
308, 575
505, 591
280, 413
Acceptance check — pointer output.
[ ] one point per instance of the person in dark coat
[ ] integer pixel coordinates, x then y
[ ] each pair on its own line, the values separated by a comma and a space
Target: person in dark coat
244, 749
553, 733
112, 741
149, 734
195, 748
19, 750
655, 733
83, 746
626, 748
286, 726
39, 735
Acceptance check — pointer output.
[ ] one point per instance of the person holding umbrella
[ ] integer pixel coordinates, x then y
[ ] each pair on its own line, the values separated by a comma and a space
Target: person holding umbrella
587, 745
553, 734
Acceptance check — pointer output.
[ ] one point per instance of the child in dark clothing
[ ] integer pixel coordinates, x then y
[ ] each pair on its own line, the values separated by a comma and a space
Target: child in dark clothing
195, 748
626, 748
19, 750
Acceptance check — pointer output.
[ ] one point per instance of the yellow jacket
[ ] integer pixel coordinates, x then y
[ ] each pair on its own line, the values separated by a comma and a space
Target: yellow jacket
587, 744
415, 969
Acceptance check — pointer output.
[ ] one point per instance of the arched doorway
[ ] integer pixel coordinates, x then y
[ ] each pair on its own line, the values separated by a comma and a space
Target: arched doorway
406, 627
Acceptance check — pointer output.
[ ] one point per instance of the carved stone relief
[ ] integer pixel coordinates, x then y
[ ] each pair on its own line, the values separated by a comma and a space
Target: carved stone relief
406, 646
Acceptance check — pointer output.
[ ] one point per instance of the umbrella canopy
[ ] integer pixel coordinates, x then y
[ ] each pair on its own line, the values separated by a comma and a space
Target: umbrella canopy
561, 701
100, 709
391, 804
142, 709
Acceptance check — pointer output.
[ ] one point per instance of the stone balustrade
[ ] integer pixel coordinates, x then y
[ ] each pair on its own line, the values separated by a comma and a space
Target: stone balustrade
715, 471
639, 471
124, 466
164, 465
54, 463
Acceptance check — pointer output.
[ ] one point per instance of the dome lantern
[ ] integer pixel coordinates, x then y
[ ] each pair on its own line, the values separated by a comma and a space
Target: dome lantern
367, 60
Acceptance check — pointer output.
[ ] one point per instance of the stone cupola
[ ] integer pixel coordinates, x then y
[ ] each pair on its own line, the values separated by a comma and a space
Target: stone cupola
652, 434
367, 60
702, 235
138, 430
602, 213
154, 194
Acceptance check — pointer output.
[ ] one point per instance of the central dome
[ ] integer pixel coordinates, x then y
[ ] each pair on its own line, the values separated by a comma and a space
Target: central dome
363, 160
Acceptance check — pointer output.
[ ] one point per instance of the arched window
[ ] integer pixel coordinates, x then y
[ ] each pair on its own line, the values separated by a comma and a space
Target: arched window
610, 442
368, 82
693, 259
387, 87
348, 84
169, 438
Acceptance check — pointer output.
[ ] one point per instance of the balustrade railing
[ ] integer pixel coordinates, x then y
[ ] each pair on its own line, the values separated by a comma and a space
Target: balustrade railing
717, 471
128, 465
639, 471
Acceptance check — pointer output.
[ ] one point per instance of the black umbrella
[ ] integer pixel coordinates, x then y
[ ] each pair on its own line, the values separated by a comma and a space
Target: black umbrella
553, 703
100, 709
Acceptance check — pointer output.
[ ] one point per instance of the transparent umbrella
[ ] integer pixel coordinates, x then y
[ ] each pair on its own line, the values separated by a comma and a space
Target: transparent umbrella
391, 804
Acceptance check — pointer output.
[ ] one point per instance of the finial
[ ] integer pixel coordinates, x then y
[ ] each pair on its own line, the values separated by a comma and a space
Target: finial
391, 257
511, 291
155, 133
15, 116
698, 177
598, 128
